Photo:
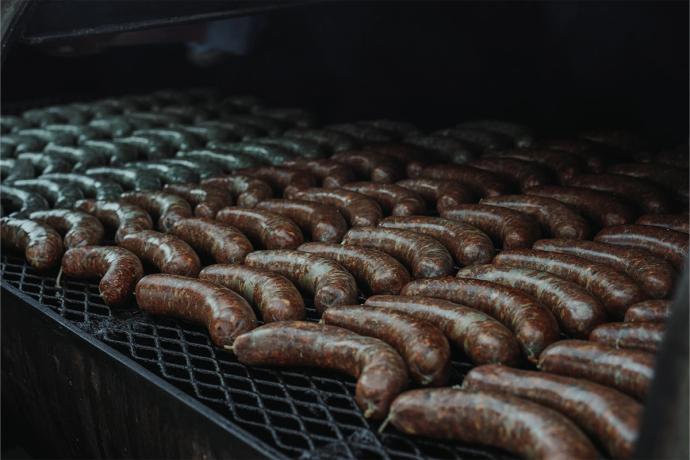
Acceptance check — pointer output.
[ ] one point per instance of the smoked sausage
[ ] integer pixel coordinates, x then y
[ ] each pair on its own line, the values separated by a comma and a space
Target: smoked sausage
78, 228
330, 173
320, 222
167, 252
359, 210
677, 222
524, 174
224, 243
41, 244
206, 200
165, 207
125, 218
372, 166
638, 336
394, 199
650, 198
668, 244
248, 190
264, 229
439, 194
648, 311
482, 183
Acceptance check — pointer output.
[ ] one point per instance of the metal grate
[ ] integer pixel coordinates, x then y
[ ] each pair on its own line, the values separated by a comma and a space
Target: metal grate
303, 413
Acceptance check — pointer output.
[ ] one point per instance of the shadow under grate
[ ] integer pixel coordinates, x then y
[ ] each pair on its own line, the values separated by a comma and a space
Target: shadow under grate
304, 413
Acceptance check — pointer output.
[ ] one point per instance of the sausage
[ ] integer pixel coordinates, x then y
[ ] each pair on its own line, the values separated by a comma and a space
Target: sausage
359, 210
327, 281
394, 199
78, 228
102, 190
677, 222
114, 124
648, 197
439, 194
559, 219
203, 169
668, 244
207, 200
637, 336
224, 313
167, 173
521, 136
330, 173
653, 274
422, 345
41, 244
414, 158
523, 174
16, 169
116, 153
629, 371
236, 129
506, 227
291, 115
248, 190
575, 309
227, 161
276, 298
166, 208
273, 154
513, 424
266, 125
58, 195
380, 371
282, 179
305, 148
479, 138
671, 178
119, 270
423, 255
46, 164
80, 157
264, 229
375, 271
125, 218
480, 337
607, 415
319, 221
181, 140
24, 202
534, 326
168, 253
467, 244
482, 183
225, 244
333, 140
590, 152
372, 166
613, 288
363, 133
599, 207
129, 179
398, 129
562, 164
648, 311
148, 148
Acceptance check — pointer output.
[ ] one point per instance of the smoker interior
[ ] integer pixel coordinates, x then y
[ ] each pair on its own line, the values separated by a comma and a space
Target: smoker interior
561, 68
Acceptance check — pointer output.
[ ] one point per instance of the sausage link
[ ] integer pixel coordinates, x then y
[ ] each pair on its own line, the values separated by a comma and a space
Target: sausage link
167, 173
327, 281
513, 424
589, 152
467, 244
648, 197
224, 313
375, 271
12, 170
506, 227
648, 311
479, 336
380, 371
264, 229
559, 219
227, 161
439, 194
629, 371
206, 200
671, 178
575, 309
167, 252
562, 164
78, 228
638, 336
125, 218
273, 154
58, 195
677, 222
167, 208
372, 166
225, 244
248, 190
609, 416
117, 153
291, 116
46, 164
181, 140
423, 255
621, 140
24, 202
119, 270
414, 158
320, 222
332, 140
127, 178
305, 148
422, 345
394, 199
332, 174
534, 326
653, 274
203, 169
523, 174
282, 179
359, 210
365, 134
521, 136
443, 149
668, 244
41, 244
92, 188
80, 158
482, 183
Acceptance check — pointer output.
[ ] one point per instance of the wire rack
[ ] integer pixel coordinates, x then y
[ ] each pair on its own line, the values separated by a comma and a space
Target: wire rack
302, 413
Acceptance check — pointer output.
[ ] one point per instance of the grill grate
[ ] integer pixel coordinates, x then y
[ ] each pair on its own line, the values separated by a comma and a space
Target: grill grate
302, 413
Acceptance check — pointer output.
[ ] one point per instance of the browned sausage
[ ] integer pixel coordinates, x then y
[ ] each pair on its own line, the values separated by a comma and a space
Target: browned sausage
482, 183
557, 218
264, 229
671, 178
590, 152
513, 424
479, 336
467, 244
413, 157
41, 244
165, 207
370, 165
118, 269
323, 279
423, 255
668, 244
319, 221
508, 228
78, 228
439, 193
639, 336
248, 190
601, 208
479, 138
653, 274
618, 139
224, 243
649, 311
575, 309
629, 371
331, 173
167, 252
359, 210
563, 164
380, 371
282, 179
534, 326
225, 314
677, 222
394, 199
607, 415
272, 294
375, 271
207, 200
613, 288
523, 174
125, 218
640, 192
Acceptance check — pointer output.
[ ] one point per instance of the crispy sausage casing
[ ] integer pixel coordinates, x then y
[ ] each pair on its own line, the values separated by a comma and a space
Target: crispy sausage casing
41, 244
